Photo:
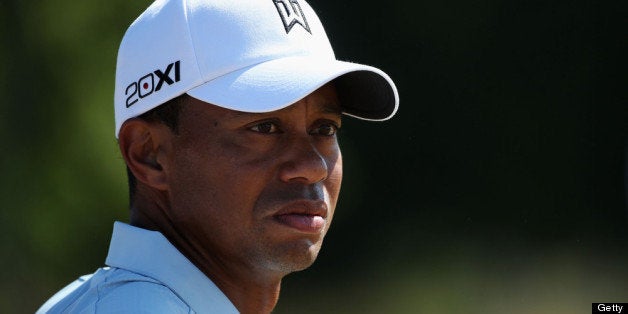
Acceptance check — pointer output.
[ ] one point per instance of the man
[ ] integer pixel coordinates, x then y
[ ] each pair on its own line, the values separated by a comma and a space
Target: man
226, 116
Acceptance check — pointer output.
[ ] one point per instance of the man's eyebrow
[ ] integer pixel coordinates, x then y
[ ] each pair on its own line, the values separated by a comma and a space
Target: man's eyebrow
236, 113
331, 108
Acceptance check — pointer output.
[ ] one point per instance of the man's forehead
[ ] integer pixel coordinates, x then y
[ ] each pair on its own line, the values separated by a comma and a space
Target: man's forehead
329, 108
323, 100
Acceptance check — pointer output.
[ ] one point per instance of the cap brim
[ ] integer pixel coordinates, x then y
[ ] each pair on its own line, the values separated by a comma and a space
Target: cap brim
365, 92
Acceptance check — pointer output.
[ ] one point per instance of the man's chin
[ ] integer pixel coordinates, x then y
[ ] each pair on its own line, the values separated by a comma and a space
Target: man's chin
294, 257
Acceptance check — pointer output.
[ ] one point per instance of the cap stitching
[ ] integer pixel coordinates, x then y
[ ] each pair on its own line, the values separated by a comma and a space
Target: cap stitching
187, 23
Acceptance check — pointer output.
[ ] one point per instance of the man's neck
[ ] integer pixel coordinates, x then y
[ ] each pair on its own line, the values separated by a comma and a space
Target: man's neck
250, 290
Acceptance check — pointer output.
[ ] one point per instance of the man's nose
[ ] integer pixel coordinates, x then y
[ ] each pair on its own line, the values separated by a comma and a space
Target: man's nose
303, 163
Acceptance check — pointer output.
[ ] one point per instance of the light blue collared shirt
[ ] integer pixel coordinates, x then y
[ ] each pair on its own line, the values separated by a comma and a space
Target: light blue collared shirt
146, 274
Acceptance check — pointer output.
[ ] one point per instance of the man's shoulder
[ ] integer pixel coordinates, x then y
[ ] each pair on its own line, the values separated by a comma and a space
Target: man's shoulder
139, 296
114, 290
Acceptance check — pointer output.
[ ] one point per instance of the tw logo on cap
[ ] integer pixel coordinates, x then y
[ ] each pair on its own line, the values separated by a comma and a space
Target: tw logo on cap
146, 84
291, 14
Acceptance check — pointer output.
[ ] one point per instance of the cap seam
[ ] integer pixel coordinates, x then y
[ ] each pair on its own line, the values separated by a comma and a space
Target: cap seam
187, 24
244, 67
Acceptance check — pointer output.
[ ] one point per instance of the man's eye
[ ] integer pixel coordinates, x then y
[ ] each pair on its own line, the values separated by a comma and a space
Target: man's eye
265, 127
326, 129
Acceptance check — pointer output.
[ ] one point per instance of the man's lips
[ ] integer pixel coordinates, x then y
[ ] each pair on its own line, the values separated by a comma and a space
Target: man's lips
306, 216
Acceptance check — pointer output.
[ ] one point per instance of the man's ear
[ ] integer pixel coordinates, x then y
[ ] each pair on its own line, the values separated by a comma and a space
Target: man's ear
141, 143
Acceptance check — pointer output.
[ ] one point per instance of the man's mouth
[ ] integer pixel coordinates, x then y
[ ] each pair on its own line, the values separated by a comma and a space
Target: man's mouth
303, 223
305, 216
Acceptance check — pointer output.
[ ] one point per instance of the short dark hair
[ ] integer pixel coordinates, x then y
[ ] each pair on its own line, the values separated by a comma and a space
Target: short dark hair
168, 114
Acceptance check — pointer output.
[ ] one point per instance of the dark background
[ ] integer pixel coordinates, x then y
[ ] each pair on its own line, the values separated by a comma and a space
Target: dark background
498, 188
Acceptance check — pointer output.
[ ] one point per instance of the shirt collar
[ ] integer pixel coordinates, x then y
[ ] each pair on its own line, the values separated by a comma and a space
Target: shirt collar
149, 253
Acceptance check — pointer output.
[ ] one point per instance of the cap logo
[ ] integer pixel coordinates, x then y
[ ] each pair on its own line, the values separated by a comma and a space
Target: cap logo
291, 14
146, 84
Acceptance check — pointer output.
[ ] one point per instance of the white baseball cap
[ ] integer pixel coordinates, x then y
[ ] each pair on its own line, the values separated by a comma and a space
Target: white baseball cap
251, 56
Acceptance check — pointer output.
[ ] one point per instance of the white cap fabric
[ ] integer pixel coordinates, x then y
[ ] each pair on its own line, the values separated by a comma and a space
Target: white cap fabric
251, 56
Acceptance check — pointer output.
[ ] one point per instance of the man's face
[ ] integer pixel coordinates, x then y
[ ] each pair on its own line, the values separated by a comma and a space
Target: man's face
256, 190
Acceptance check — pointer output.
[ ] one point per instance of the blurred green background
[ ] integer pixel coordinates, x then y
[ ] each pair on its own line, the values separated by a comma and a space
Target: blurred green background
498, 188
